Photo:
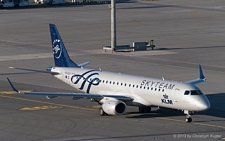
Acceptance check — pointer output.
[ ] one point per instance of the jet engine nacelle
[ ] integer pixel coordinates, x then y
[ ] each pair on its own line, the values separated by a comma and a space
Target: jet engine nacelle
50, 97
114, 107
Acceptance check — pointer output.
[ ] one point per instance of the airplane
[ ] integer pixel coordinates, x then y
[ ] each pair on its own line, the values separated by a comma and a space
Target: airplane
115, 91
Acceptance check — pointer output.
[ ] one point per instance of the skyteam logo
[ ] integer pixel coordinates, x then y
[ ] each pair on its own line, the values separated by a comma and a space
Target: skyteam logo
57, 51
166, 99
88, 78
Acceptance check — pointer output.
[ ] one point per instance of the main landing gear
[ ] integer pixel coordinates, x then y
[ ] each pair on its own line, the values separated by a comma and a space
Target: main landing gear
188, 116
145, 109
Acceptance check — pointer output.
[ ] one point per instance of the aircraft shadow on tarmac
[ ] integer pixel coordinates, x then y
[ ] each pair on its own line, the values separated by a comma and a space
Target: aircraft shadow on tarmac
161, 112
217, 109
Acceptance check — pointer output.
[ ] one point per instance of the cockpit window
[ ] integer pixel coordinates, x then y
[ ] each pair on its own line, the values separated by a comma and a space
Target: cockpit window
193, 92
196, 92
186, 92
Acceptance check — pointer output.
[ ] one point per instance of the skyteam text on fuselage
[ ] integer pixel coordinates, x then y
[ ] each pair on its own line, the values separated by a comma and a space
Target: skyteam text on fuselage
114, 91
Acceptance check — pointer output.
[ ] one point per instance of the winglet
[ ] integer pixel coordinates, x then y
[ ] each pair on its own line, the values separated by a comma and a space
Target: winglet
201, 73
14, 89
198, 80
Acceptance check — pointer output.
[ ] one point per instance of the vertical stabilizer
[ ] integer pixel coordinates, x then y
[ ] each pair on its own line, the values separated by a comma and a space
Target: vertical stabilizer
60, 54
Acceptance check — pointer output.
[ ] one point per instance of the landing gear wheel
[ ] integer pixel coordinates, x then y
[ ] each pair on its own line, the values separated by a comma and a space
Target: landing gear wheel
188, 119
145, 109
101, 112
141, 109
148, 109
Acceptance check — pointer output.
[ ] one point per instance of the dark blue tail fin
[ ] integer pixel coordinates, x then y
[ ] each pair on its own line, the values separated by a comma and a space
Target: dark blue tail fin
60, 54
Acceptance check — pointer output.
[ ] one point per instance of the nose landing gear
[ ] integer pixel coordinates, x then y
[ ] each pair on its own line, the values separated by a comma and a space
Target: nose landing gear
188, 119
188, 116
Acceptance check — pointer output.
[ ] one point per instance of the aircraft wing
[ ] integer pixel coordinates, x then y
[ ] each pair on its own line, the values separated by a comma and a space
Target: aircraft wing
76, 95
198, 80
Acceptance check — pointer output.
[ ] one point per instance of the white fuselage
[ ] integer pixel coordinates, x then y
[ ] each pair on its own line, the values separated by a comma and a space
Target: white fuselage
145, 91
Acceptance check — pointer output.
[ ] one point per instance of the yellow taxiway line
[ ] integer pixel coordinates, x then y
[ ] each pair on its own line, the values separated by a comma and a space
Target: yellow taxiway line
39, 108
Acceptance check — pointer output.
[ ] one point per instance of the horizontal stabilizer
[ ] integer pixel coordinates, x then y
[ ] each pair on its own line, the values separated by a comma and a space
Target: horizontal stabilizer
34, 70
83, 64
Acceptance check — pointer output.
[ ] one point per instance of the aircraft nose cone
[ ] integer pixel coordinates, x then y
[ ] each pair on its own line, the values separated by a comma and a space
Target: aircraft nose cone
204, 105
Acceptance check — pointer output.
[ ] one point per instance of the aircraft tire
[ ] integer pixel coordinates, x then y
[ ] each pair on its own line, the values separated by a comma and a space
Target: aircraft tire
189, 119
101, 112
141, 109
145, 109
148, 109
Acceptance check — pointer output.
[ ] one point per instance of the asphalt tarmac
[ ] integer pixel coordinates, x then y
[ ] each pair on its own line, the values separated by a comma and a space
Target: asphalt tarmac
186, 33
